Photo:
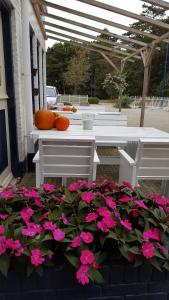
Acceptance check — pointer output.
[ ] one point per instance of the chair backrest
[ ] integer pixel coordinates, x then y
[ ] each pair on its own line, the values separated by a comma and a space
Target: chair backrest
65, 157
152, 159
101, 119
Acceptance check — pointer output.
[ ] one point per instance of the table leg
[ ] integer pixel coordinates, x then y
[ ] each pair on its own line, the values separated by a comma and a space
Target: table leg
165, 188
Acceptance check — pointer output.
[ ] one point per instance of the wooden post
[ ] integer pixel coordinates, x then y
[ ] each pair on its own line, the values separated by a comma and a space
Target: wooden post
121, 90
147, 55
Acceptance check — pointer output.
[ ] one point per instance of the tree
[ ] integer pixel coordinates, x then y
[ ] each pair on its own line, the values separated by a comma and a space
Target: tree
77, 73
57, 59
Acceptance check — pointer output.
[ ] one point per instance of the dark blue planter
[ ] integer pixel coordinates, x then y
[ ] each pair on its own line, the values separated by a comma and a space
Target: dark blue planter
122, 282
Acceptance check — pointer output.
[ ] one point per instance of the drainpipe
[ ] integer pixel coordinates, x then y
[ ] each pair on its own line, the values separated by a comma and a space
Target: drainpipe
27, 91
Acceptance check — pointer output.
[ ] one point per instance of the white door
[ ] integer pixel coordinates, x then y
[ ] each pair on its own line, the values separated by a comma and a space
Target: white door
5, 164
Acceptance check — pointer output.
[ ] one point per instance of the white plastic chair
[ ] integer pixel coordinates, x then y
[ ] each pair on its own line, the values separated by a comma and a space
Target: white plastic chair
66, 158
151, 162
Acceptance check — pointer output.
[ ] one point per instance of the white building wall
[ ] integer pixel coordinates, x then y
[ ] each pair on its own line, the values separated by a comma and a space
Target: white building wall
22, 72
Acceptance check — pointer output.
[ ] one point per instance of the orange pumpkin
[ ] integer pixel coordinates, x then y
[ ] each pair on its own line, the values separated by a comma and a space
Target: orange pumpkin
44, 119
61, 123
66, 108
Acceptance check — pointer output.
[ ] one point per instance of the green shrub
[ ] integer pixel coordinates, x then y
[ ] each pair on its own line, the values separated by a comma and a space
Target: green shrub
93, 100
125, 102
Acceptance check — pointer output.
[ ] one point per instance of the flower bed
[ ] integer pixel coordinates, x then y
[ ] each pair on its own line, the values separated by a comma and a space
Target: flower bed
86, 224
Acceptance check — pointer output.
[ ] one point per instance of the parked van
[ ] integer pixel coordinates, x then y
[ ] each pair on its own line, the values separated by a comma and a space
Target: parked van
52, 95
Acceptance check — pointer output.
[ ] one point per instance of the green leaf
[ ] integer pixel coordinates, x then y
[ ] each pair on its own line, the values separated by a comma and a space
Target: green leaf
135, 250
30, 269
91, 227
82, 204
100, 256
4, 264
69, 197
157, 253
73, 260
39, 270
138, 261
113, 235
155, 263
47, 237
166, 266
165, 227
96, 276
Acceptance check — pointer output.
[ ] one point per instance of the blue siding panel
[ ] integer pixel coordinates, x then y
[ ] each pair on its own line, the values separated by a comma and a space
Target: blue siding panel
3, 142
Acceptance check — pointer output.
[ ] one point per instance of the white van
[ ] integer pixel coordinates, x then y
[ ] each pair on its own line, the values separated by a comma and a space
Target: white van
52, 95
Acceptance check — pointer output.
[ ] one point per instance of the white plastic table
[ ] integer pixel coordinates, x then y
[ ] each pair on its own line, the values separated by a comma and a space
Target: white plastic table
105, 133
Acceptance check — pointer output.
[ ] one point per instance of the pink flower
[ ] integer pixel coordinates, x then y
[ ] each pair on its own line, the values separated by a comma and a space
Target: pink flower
131, 257
73, 187
110, 202
91, 217
128, 184
4, 216
109, 222
58, 234
126, 223
36, 257
30, 194
32, 229
48, 187
76, 242
64, 219
7, 194
82, 274
2, 229
95, 265
141, 204
38, 202
48, 225
87, 197
135, 212
86, 237
87, 257
160, 200
26, 214
2, 244
125, 198
162, 249
103, 211
102, 226
152, 234
50, 254
13, 244
148, 250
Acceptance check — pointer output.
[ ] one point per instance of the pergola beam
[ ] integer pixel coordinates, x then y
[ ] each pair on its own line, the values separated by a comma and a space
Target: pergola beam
85, 26
97, 19
93, 37
126, 13
159, 3
93, 44
86, 47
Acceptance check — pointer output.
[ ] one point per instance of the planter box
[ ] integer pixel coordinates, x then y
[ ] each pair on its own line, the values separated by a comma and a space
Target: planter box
122, 282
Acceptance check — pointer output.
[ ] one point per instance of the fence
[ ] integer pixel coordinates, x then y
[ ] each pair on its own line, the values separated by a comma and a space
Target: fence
74, 99
162, 102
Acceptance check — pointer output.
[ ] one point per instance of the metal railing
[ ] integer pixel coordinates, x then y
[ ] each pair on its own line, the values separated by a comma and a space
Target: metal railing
158, 102
74, 99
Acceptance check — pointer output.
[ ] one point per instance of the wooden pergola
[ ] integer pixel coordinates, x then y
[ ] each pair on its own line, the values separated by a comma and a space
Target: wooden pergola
119, 49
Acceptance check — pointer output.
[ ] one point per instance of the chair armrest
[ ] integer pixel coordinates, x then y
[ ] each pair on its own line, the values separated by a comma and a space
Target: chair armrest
36, 157
127, 157
96, 158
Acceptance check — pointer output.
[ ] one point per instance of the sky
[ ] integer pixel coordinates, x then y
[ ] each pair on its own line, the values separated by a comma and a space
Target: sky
130, 5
